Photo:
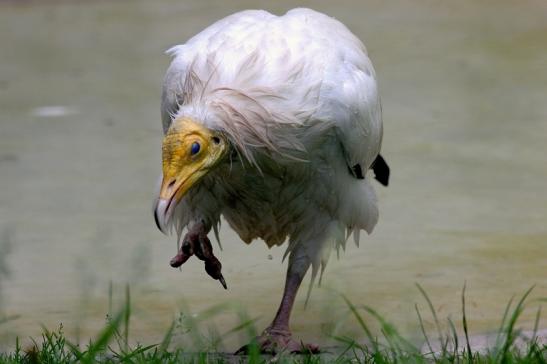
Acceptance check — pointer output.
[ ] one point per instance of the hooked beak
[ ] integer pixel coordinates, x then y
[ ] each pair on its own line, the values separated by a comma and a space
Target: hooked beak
172, 191
162, 214
189, 152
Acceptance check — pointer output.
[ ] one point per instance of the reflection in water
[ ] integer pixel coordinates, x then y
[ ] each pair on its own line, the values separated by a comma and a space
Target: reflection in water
463, 89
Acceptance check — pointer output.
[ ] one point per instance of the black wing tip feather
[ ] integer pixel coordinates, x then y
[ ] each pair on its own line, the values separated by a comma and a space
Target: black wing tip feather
357, 171
379, 167
381, 170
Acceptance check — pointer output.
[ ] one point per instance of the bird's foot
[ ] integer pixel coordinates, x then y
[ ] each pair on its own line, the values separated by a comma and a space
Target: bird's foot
274, 341
196, 242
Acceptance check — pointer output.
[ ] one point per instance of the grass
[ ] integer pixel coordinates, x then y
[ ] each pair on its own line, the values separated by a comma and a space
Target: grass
112, 344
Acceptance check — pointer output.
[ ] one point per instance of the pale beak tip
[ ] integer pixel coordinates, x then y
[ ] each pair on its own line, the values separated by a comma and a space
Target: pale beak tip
157, 220
162, 215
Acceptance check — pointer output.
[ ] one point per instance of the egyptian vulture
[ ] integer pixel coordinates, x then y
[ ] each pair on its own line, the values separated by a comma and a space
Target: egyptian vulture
273, 123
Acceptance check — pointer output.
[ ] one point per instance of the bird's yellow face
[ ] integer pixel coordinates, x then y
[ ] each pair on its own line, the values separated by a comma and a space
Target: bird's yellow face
189, 152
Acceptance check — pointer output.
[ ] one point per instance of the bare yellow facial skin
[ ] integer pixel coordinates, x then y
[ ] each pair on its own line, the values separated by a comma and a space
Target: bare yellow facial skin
183, 167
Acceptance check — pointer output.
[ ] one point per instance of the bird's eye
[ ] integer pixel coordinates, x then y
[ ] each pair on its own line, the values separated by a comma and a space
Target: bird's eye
195, 148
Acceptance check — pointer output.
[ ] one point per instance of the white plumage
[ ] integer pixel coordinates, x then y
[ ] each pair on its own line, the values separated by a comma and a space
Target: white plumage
297, 98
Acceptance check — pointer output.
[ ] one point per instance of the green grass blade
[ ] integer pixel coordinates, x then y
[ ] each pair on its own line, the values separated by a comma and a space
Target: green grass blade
104, 338
75, 350
536, 325
392, 332
422, 327
361, 322
167, 338
454, 337
351, 344
465, 328
433, 312
110, 296
126, 317
136, 352
242, 326
503, 321
510, 334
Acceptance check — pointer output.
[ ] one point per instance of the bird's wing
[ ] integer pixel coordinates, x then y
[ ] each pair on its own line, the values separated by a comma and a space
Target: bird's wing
349, 96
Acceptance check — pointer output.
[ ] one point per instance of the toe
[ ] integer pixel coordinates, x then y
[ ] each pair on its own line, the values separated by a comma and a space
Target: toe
179, 260
269, 343
296, 347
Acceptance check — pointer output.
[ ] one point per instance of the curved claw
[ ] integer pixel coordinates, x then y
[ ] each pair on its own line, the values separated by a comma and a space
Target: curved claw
223, 282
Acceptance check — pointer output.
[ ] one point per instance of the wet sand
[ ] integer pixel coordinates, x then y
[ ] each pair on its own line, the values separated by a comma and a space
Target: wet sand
463, 89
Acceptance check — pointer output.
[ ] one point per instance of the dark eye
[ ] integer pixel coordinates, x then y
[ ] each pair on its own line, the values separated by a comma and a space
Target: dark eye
195, 148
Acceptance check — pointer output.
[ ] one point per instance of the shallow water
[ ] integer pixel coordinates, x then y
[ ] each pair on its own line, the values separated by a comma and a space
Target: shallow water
463, 88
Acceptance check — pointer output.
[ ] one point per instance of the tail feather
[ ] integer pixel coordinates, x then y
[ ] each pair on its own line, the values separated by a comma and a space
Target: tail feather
381, 170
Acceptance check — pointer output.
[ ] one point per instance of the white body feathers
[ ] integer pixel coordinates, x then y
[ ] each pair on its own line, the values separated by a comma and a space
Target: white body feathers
298, 99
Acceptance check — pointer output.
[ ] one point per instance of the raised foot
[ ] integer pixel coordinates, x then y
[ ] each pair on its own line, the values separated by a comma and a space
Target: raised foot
274, 341
197, 243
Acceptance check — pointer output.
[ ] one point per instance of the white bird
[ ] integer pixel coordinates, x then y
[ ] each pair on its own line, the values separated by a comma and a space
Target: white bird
272, 122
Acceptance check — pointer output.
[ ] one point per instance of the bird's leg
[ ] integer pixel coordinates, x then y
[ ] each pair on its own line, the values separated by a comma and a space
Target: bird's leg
277, 337
196, 242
